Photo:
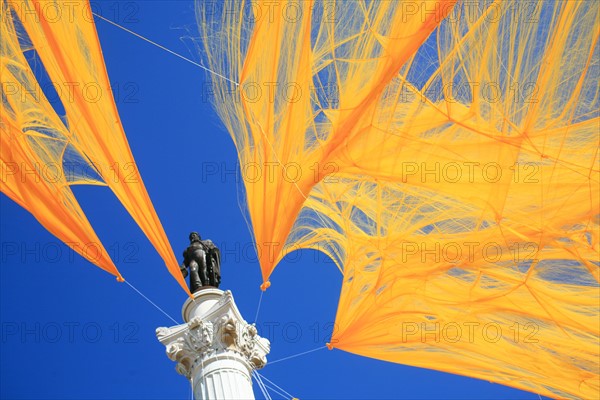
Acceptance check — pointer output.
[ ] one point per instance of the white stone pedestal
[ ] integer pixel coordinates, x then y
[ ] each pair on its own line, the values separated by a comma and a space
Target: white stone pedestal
216, 349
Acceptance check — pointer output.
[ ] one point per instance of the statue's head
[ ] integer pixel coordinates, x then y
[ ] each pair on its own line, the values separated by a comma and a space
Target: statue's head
194, 237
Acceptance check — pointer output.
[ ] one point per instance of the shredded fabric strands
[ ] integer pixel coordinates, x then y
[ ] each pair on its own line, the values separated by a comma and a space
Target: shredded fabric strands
85, 146
445, 158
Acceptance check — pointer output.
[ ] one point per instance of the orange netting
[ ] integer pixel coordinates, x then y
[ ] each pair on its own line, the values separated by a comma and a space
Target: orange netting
42, 154
445, 156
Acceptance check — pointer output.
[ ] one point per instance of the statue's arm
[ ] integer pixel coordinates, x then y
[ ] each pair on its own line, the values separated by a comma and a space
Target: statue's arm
183, 267
183, 270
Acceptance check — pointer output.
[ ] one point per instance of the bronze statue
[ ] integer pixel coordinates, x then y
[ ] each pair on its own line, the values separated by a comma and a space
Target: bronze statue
203, 259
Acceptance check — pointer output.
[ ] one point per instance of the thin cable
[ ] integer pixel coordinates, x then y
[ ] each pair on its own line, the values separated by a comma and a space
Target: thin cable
165, 49
151, 302
258, 308
274, 384
264, 386
261, 385
295, 355
258, 384
272, 389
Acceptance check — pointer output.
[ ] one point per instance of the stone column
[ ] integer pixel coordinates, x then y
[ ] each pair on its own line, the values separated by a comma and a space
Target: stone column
216, 349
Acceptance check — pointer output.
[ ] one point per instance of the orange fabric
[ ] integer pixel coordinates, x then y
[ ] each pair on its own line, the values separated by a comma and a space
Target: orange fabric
445, 157
69, 50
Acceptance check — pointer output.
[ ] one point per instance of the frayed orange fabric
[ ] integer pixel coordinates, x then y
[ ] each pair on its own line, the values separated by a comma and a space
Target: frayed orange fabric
445, 156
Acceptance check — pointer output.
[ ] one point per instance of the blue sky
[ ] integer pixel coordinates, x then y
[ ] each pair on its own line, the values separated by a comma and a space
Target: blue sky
70, 331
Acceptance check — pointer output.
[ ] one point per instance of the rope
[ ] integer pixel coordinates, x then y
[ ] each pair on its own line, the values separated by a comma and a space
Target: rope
261, 385
276, 386
296, 355
258, 308
164, 48
272, 389
151, 302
